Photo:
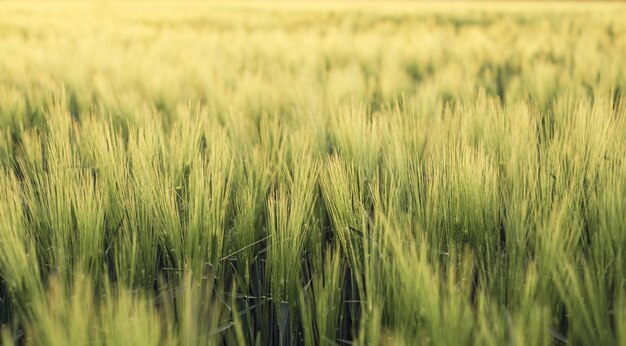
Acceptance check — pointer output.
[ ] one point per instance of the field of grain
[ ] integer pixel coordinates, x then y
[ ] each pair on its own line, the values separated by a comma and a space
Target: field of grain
312, 173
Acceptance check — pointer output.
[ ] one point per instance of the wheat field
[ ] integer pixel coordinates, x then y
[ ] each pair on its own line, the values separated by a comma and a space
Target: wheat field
312, 173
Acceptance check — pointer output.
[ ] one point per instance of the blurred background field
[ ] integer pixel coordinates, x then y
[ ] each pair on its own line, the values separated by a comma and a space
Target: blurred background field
312, 173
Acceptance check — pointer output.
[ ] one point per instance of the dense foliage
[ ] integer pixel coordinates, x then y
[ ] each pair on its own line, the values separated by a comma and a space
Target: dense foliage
313, 173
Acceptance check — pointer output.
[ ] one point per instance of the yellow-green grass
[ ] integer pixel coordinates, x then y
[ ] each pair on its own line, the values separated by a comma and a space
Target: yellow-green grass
177, 173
